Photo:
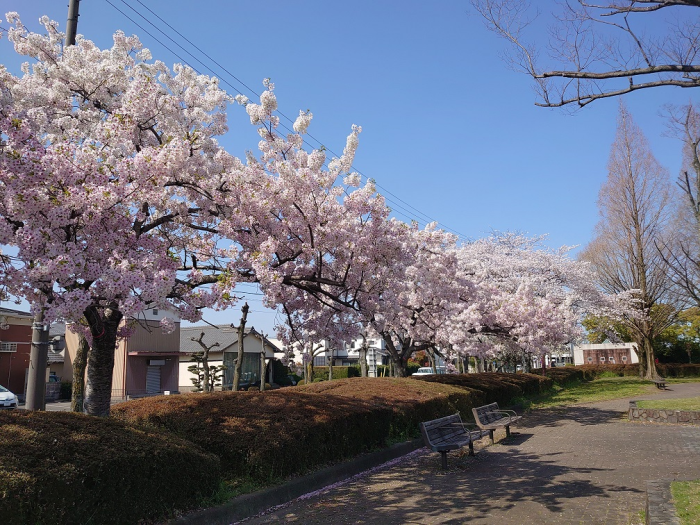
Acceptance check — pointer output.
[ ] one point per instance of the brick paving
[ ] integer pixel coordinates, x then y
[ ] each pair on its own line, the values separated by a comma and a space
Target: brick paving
581, 464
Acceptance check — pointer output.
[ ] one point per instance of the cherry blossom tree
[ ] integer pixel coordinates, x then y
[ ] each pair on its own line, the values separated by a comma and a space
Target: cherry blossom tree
111, 179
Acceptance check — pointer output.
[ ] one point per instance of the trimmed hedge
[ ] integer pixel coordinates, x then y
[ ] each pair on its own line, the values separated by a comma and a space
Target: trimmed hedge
494, 387
62, 467
339, 372
271, 435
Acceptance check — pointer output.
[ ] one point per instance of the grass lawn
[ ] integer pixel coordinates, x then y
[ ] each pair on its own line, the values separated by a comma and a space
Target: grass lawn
686, 498
602, 389
688, 403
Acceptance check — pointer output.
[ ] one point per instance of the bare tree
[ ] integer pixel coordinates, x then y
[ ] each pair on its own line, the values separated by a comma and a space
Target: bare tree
208, 381
635, 205
600, 50
683, 258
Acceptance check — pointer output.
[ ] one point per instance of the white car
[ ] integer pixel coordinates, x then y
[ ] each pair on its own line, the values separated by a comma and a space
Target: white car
428, 371
7, 398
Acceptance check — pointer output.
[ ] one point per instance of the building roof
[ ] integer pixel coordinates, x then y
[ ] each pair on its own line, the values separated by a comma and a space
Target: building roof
17, 313
225, 335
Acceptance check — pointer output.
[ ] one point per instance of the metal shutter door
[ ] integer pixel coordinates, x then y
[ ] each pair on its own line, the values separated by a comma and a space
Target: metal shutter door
152, 379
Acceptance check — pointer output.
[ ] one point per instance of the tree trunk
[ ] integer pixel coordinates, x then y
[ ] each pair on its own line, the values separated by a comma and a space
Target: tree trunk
100, 363
79, 364
206, 379
262, 363
363, 360
647, 366
330, 365
239, 361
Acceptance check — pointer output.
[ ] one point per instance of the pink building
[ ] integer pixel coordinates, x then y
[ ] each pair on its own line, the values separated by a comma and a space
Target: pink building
145, 364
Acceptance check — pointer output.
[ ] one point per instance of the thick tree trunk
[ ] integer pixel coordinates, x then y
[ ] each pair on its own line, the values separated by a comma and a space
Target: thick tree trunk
79, 364
239, 361
363, 360
647, 365
100, 363
330, 365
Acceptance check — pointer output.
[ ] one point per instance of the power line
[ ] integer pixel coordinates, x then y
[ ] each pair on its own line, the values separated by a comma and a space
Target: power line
396, 201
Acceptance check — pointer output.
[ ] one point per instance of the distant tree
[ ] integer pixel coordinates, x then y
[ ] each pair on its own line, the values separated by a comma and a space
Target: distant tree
599, 50
205, 379
635, 209
206, 375
680, 342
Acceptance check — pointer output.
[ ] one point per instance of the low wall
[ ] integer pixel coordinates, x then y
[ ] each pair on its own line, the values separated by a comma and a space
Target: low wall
657, 415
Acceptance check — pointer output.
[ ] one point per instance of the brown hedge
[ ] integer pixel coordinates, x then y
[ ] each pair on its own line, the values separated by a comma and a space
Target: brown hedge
494, 387
275, 434
61, 467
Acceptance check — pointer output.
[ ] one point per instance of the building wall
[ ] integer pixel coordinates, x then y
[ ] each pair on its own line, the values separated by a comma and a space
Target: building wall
185, 375
13, 365
598, 354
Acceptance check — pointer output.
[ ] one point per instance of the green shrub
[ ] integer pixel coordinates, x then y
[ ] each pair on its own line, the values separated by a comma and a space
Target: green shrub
66, 468
66, 390
339, 372
678, 370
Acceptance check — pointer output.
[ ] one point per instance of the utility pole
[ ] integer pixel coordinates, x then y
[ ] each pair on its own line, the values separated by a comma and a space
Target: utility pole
38, 357
72, 23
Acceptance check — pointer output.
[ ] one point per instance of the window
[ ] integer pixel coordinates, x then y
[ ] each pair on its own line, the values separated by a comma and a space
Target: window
602, 359
155, 311
624, 358
612, 360
320, 360
8, 347
590, 359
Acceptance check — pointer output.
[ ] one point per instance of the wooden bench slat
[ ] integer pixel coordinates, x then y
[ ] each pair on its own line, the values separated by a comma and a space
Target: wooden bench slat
490, 417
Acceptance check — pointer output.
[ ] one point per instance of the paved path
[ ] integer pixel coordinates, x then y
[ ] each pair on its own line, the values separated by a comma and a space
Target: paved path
582, 464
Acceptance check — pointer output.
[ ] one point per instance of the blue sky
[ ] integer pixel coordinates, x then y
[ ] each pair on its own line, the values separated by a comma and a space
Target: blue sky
448, 129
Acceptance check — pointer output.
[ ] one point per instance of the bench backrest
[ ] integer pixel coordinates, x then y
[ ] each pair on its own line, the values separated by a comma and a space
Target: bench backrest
487, 413
443, 430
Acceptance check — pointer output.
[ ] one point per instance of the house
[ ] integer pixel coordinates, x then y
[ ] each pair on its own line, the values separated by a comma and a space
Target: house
144, 364
225, 353
606, 353
15, 348
347, 354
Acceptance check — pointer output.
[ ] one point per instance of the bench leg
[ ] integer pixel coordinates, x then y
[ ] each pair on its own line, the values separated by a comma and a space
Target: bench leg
471, 448
491, 436
507, 430
444, 460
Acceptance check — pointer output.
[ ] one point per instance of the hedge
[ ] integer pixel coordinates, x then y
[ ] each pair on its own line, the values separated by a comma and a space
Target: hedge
62, 467
339, 372
271, 435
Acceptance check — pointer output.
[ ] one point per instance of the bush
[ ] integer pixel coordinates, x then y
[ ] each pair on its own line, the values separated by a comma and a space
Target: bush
266, 436
66, 390
339, 372
62, 467
678, 370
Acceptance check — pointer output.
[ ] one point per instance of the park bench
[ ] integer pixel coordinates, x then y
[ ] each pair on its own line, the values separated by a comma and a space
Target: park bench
660, 383
448, 433
490, 417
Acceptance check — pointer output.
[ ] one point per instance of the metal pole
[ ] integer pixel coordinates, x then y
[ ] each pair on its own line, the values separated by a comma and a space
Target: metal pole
38, 357
72, 23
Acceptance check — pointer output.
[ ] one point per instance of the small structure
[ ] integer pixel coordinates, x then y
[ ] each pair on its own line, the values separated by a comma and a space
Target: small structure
606, 353
225, 354
144, 364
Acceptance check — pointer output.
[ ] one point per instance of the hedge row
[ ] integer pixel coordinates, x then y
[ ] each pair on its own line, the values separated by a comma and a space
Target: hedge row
61, 467
149, 459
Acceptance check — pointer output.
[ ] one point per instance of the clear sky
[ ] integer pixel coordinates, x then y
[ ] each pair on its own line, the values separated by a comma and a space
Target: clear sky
449, 132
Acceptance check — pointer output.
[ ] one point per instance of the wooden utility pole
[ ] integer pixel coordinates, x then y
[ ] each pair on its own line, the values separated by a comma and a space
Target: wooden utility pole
72, 24
239, 361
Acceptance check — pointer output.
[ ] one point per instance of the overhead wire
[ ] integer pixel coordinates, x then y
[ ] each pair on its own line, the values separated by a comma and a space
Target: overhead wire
394, 200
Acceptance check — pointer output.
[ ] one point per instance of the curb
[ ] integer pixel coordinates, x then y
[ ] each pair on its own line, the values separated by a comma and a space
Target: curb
252, 504
660, 509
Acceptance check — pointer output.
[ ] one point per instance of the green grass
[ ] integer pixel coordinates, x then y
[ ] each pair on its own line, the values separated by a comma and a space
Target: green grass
686, 498
603, 389
689, 403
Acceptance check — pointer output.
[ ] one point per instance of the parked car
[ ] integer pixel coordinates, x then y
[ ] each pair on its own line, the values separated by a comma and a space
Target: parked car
7, 398
428, 371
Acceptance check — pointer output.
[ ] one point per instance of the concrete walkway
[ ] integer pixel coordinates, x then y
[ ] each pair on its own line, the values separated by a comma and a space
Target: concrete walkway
582, 464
